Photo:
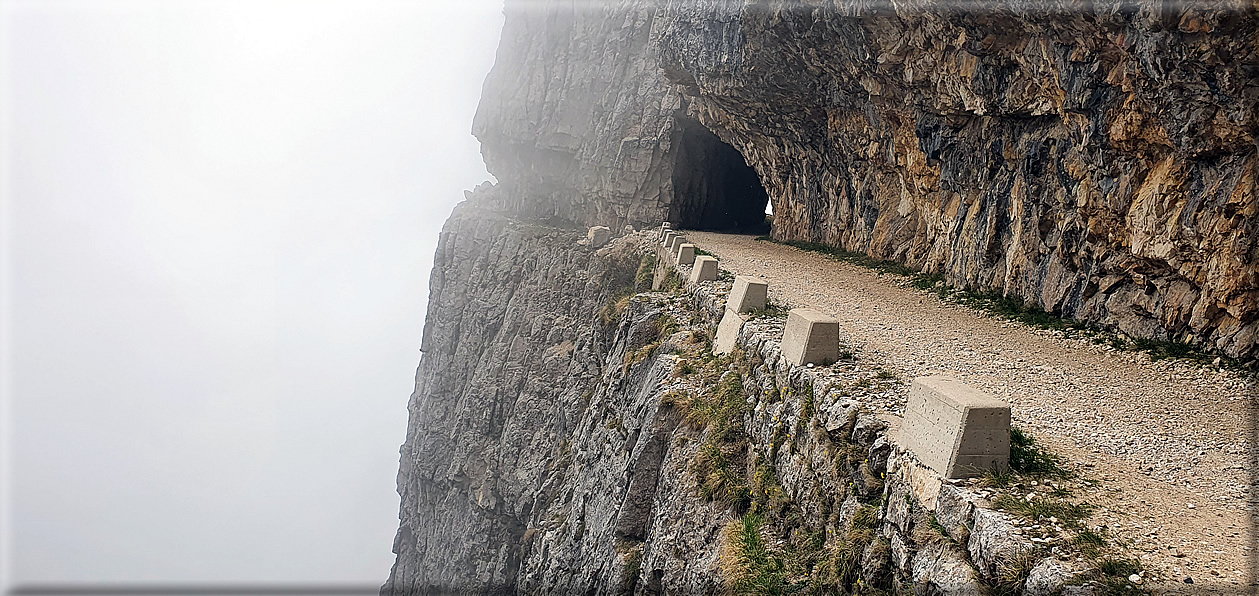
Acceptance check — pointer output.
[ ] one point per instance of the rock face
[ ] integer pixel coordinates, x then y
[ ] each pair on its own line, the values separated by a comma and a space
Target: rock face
512, 345
1101, 164
610, 453
1097, 160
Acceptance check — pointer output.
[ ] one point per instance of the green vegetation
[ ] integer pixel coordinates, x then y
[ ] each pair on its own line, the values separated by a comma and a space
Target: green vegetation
618, 426
719, 411
856, 258
806, 409
672, 283
1111, 574
646, 273
1039, 508
750, 566
1015, 309
772, 309
1028, 461
615, 306
1012, 573
1028, 458
804, 564
665, 326
841, 564
633, 568
934, 524
1089, 542
1118, 567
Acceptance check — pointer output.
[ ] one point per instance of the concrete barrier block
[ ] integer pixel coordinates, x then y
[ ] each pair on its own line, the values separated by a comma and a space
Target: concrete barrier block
598, 236
811, 337
677, 241
748, 294
728, 332
705, 269
685, 254
667, 239
955, 429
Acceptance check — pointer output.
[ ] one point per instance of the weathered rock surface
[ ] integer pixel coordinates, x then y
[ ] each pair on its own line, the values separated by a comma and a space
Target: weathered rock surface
1098, 160
1099, 163
512, 345
589, 477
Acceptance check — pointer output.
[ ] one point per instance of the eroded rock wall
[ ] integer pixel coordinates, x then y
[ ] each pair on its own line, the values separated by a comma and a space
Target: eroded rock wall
513, 344
576, 119
1096, 160
634, 470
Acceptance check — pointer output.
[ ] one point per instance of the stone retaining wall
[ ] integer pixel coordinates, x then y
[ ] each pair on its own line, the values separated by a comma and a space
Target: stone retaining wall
932, 535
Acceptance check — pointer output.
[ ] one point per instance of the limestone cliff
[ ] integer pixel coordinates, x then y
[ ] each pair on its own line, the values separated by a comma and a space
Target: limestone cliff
1098, 159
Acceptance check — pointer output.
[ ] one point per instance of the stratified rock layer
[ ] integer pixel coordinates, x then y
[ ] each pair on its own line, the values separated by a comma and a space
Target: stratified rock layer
1097, 160
1099, 164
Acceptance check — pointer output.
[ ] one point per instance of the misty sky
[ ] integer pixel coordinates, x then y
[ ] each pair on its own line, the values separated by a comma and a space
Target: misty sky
219, 219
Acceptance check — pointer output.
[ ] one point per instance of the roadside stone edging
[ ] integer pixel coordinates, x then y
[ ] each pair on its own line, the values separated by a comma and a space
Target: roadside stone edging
977, 542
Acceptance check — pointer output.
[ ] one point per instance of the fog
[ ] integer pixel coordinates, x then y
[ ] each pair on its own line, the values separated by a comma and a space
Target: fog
219, 223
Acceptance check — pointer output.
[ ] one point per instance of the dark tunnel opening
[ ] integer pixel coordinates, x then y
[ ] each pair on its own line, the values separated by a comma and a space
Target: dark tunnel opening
713, 187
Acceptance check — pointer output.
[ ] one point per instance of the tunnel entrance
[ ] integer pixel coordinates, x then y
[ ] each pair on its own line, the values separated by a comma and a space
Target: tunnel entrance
713, 187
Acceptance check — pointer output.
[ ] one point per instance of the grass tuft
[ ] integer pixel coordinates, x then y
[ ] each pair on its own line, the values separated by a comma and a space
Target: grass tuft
1012, 573
1068, 513
719, 411
856, 258
1029, 458
748, 564
616, 305
646, 272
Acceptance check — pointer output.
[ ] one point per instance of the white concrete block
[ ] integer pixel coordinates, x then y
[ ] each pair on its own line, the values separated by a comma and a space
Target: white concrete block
728, 332
811, 337
705, 269
955, 429
598, 236
748, 294
673, 245
685, 254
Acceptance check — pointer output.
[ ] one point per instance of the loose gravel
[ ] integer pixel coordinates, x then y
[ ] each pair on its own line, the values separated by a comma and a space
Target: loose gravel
1170, 442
